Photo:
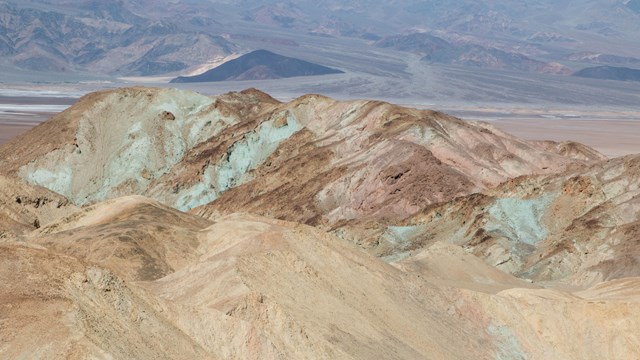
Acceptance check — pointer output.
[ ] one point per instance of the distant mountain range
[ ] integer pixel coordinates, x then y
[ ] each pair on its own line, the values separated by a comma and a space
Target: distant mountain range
610, 73
104, 38
259, 65
437, 50
177, 37
596, 58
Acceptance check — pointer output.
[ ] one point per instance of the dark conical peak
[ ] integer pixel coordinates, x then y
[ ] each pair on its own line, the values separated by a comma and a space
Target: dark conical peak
260, 65
262, 52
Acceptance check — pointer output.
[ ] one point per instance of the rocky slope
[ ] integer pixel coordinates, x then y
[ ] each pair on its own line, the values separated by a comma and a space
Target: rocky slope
578, 228
24, 207
258, 288
313, 160
65, 308
316, 229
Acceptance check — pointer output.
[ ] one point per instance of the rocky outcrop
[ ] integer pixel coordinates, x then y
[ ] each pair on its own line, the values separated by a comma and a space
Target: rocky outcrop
64, 308
24, 207
577, 227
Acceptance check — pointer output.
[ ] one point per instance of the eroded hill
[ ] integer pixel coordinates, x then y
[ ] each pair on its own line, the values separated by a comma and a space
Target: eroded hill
313, 229
578, 228
332, 161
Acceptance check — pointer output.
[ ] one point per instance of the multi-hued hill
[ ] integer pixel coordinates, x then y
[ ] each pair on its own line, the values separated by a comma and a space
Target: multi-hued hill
158, 223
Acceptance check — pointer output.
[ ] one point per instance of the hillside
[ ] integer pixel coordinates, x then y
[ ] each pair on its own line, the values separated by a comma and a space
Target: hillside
507, 53
241, 289
175, 225
144, 38
24, 207
259, 65
576, 228
187, 150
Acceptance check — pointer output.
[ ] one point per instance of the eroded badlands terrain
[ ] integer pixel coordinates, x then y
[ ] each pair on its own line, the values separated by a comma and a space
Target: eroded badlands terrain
159, 223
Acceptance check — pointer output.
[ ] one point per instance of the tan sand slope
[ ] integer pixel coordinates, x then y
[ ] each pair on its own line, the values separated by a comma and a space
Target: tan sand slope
63, 308
8, 132
25, 207
137, 237
256, 288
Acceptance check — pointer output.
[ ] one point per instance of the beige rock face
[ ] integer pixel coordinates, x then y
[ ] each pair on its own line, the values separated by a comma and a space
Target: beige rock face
137, 237
315, 229
66, 309
24, 207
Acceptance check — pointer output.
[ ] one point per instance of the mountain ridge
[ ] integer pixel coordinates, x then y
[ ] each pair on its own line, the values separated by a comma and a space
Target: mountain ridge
138, 38
250, 123
44, 38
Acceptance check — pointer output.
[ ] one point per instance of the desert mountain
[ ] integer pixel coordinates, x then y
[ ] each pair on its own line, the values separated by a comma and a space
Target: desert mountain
315, 228
434, 49
610, 73
25, 207
506, 19
143, 37
334, 162
105, 38
259, 65
66, 308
